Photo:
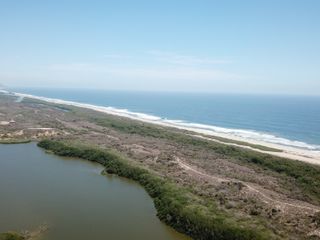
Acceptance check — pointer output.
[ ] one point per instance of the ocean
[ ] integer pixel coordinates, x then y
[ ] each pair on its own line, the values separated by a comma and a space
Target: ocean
287, 120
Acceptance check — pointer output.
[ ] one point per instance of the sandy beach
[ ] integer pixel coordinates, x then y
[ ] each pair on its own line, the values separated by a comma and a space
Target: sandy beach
294, 150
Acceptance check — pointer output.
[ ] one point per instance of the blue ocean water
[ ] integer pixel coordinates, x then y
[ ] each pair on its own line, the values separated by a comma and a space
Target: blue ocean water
292, 117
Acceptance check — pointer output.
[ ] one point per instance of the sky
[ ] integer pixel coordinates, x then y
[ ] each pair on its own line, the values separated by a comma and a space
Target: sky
230, 46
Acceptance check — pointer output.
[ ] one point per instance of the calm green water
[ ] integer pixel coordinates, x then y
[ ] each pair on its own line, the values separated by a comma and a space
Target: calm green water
73, 199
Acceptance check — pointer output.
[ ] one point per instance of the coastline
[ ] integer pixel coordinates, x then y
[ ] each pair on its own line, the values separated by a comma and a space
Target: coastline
253, 188
297, 151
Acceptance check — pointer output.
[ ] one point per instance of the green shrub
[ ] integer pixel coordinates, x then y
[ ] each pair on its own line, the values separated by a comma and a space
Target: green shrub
11, 236
176, 206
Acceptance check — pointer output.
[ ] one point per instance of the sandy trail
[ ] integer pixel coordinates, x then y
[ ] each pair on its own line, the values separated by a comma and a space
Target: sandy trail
268, 200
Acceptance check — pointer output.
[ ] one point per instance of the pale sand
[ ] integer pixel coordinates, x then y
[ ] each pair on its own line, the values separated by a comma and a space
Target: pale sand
4, 123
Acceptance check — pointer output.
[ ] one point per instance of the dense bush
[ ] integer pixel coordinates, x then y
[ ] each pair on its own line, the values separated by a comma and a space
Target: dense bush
13, 141
176, 206
10, 236
306, 176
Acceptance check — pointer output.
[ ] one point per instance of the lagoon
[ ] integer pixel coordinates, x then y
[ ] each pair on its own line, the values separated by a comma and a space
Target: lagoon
73, 199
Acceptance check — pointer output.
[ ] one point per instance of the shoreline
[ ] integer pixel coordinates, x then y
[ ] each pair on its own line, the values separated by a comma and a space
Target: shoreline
311, 155
246, 187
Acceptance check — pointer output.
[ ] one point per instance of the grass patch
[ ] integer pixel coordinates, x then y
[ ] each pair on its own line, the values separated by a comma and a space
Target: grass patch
60, 107
149, 130
241, 143
134, 127
176, 206
11, 236
306, 176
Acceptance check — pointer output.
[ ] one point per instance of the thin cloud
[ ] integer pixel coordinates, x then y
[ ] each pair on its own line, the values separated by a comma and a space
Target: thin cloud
70, 67
117, 57
151, 73
174, 58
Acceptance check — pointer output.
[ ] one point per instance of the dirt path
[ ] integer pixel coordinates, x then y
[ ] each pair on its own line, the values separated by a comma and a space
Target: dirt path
268, 200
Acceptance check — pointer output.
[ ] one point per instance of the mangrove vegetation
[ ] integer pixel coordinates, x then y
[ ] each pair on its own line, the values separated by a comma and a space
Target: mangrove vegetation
177, 206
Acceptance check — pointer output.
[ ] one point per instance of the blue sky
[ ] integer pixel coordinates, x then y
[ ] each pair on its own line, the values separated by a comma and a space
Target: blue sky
270, 46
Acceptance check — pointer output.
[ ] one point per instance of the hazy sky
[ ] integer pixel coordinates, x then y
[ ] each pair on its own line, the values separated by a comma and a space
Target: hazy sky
258, 46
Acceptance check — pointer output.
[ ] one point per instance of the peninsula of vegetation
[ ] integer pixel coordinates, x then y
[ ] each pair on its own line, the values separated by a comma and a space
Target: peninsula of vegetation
203, 188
